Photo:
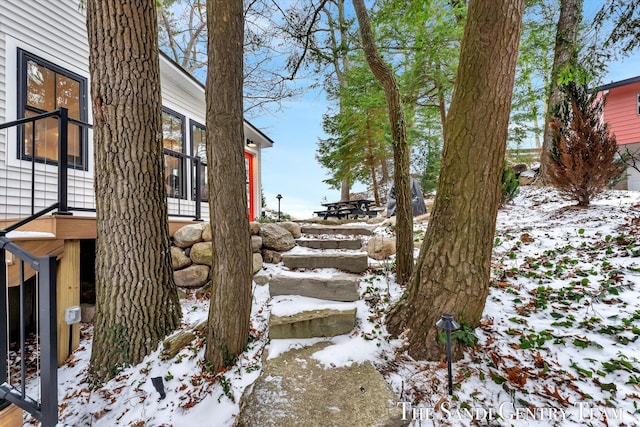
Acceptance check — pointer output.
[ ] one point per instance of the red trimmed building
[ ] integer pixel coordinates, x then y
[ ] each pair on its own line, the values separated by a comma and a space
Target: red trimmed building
622, 112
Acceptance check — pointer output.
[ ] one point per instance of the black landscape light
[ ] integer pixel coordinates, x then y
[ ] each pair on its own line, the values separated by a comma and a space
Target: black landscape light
279, 197
159, 386
447, 324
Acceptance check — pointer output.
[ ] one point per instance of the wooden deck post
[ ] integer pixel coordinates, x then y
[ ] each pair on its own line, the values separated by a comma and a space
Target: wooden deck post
11, 416
68, 295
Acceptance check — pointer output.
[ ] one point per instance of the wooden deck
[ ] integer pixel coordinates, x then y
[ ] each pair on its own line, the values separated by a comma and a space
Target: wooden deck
60, 235
73, 226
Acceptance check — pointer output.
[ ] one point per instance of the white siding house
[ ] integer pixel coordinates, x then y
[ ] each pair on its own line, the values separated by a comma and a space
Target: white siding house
43, 49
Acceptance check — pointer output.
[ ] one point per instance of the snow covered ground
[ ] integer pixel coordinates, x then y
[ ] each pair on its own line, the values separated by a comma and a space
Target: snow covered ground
558, 343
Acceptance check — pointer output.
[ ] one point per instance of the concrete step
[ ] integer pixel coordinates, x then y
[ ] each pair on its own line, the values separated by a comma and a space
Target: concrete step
346, 230
330, 243
327, 322
332, 287
352, 262
295, 389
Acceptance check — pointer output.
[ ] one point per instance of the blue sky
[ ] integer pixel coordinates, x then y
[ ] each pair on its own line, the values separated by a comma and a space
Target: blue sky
289, 168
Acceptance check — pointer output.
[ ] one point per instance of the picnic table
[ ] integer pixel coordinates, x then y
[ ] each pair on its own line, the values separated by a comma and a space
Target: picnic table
349, 209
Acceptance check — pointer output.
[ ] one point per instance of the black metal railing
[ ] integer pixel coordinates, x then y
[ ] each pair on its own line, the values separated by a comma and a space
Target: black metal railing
176, 184
44, 408
188, 163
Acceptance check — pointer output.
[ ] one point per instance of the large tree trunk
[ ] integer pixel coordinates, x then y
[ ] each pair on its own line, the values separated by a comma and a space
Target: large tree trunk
565, 51
401, 148
136, 298
452, 273
230, 308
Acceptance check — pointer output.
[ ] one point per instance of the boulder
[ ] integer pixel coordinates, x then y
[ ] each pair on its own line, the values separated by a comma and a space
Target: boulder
519, 168
261, 278
380, 247
193, 276
272, 257
312, 323
188, 235
202, 253
254, 228
375, 220
292, 228
276, 238
178, 259
256, 243
256, 263
206, 233
420, 219
527, 177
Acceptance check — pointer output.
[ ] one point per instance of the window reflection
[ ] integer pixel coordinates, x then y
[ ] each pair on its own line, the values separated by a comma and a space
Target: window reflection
173, 140
47, 87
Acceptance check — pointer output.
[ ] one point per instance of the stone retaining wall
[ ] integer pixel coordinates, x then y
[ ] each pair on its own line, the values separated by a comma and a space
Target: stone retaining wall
192, 246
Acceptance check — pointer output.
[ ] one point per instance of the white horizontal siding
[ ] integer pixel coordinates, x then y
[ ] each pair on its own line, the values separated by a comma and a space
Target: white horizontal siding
56, 32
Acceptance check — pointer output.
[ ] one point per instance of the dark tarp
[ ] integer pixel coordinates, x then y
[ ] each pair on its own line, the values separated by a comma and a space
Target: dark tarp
417, 200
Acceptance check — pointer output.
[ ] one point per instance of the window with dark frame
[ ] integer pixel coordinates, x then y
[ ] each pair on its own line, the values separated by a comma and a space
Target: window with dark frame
174, 162
199, 149
638, 104
44, 87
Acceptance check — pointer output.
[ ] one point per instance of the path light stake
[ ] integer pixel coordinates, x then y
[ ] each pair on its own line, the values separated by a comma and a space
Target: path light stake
447, 323
279, 197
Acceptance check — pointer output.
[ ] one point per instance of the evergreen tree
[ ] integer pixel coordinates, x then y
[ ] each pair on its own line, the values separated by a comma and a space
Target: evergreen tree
583, 160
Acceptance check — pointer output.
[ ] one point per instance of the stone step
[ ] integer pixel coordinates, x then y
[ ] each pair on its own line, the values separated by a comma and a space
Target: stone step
347, 230
294, 389
330, 243
335, 287
327, 322
352, 262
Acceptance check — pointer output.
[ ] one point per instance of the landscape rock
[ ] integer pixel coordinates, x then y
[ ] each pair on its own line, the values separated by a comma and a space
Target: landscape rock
312, 323
188, 235
519, 168
330, 243
527, 177
380, 247
420, 219
355, 262
346, 230
194, 276
276, 238
254, 228
256, 243
389, 222
375, 220
202, 253
206, 233
272, 257
256, 263
294, 390
178, 259
337, 287
261, 278
292, 228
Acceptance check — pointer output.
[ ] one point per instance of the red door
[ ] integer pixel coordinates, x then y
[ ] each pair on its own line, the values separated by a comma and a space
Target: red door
248, 163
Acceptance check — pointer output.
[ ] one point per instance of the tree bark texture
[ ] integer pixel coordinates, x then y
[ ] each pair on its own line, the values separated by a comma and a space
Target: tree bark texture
228, 330
136, 299
564, 52
453, 268
401, 149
